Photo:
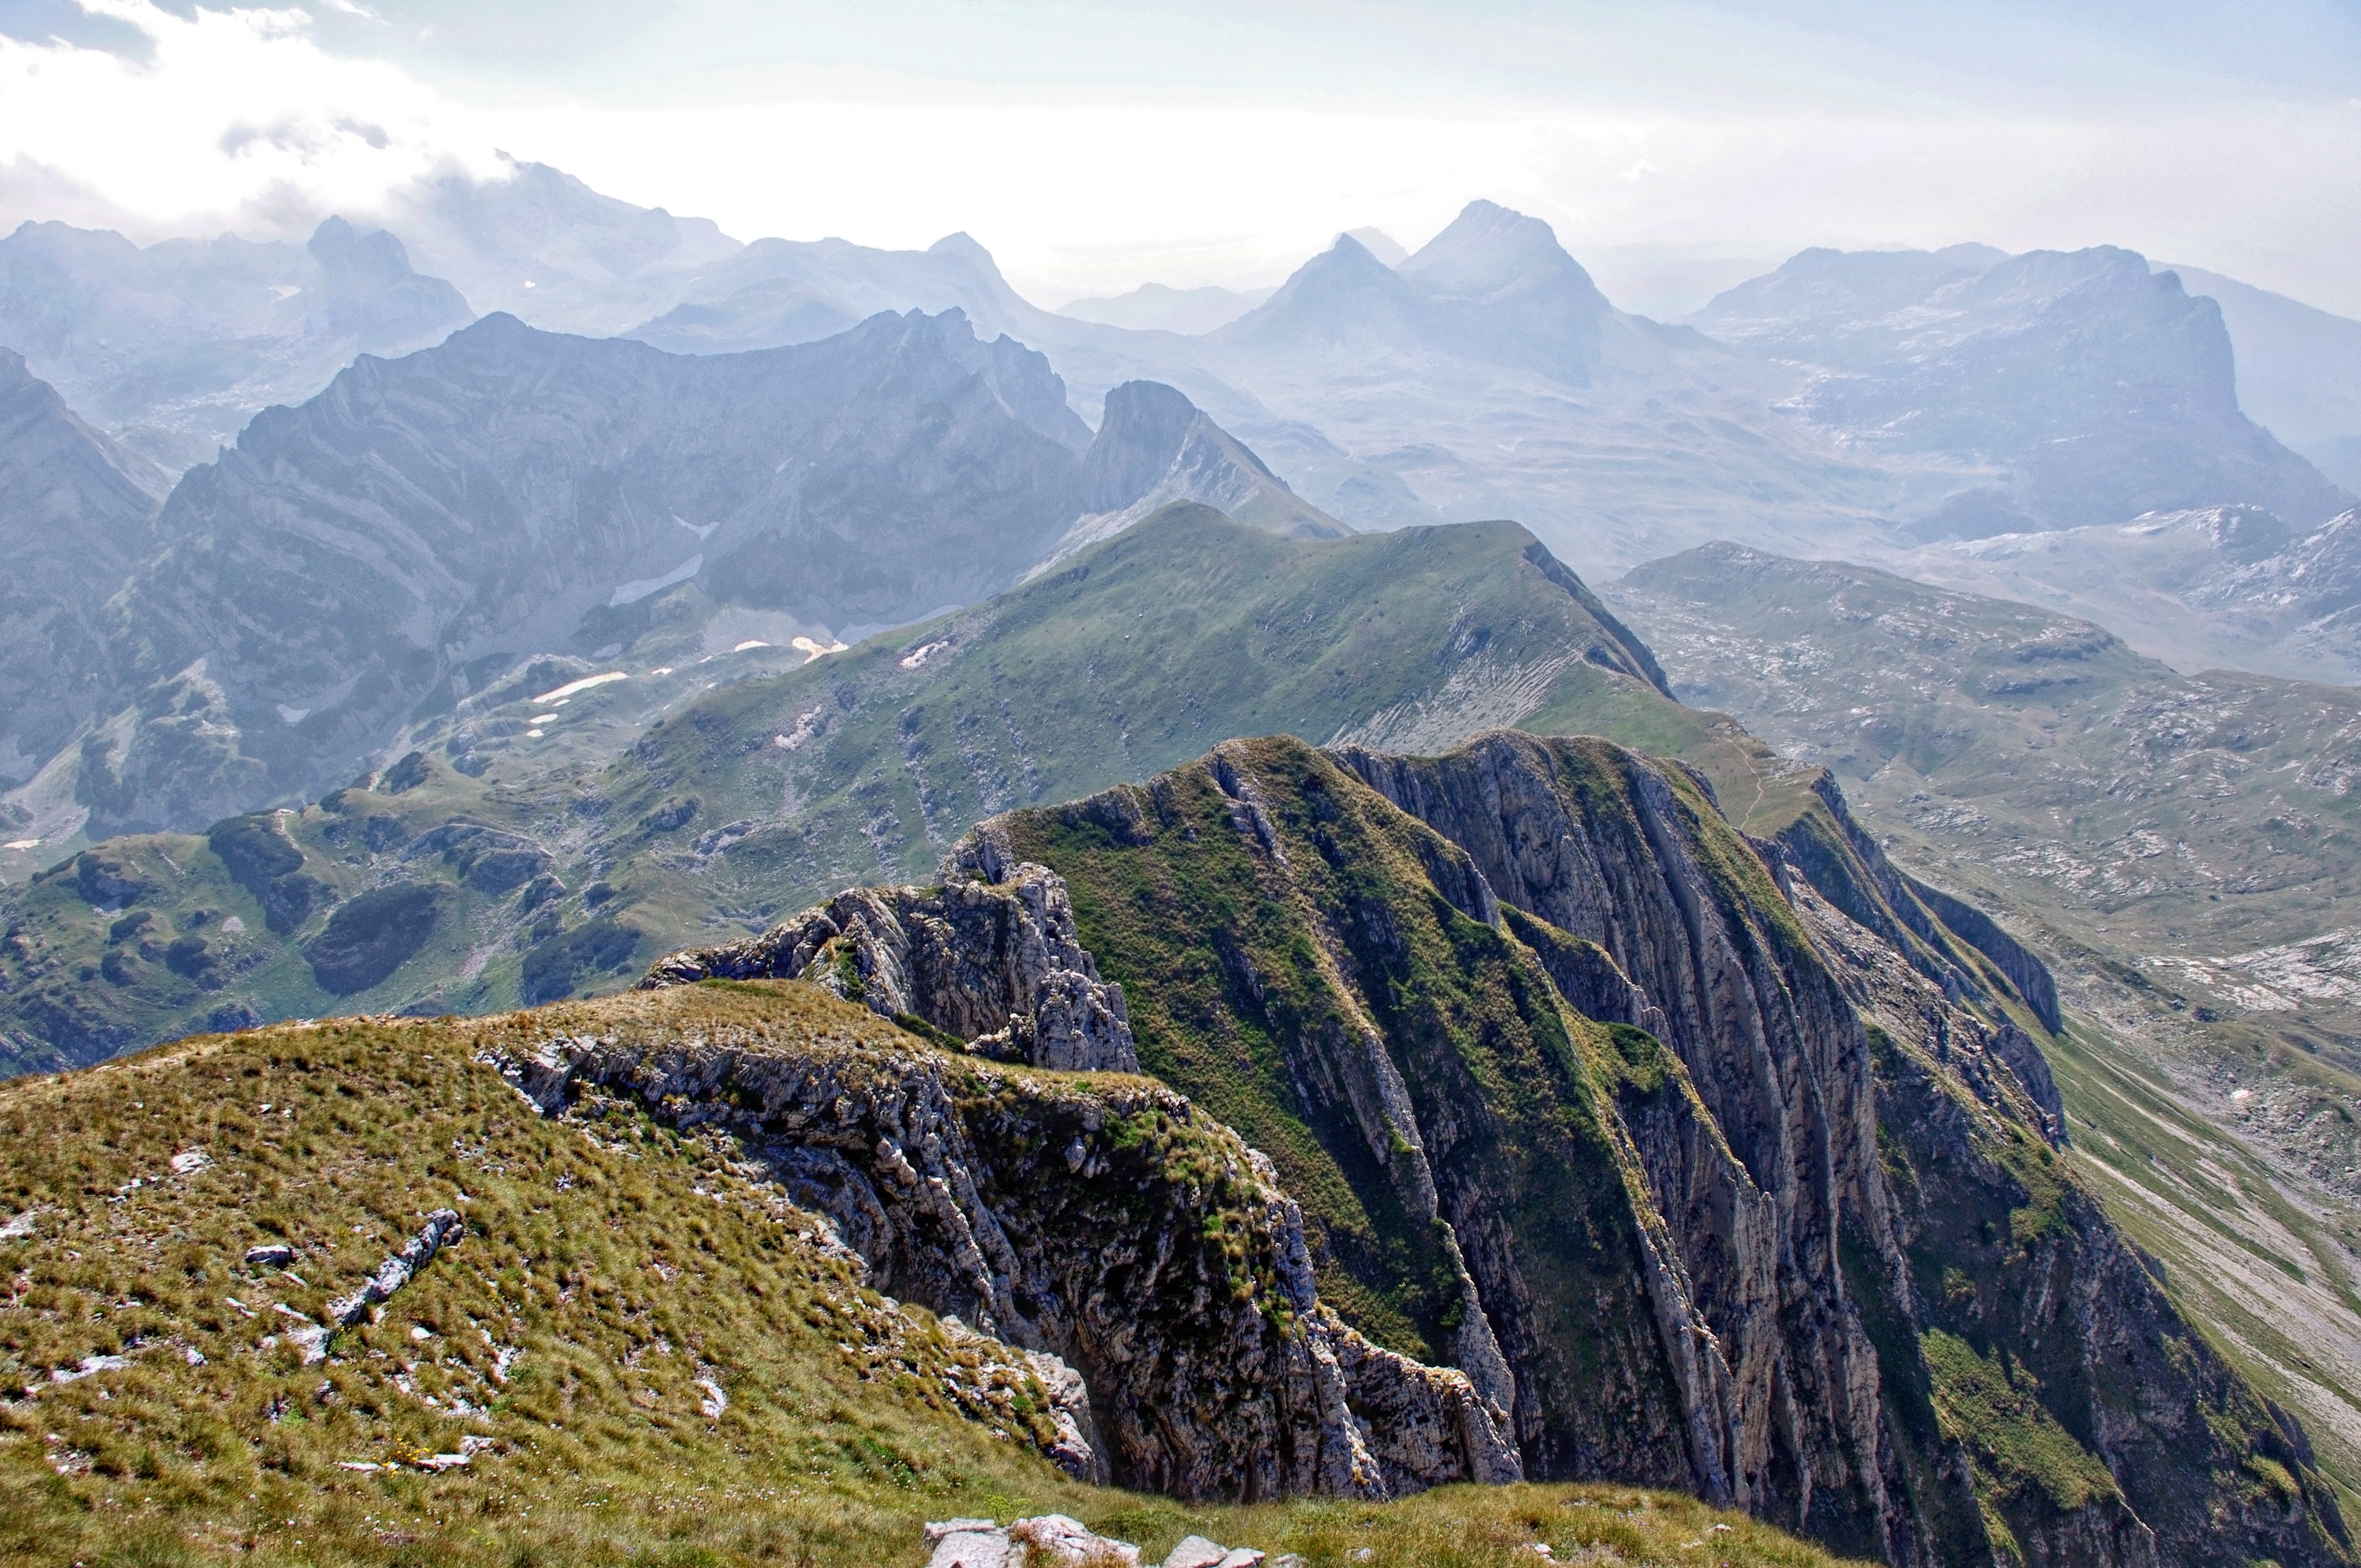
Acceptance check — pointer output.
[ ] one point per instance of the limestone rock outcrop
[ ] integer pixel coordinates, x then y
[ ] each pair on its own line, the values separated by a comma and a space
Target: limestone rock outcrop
990, 960
1108, 1222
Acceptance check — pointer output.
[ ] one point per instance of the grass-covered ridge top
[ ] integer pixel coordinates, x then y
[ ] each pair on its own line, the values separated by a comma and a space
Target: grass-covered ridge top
767, 793
1128, 659
604, 1272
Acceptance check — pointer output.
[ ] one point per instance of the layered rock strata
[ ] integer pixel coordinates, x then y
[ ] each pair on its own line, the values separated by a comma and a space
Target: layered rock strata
1105, 1222
1826, 1171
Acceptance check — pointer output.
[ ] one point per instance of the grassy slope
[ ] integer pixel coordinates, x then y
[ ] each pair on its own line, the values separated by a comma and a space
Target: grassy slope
621, 1266
1187, 631
1134, 657
2112, 810
82, 974
1139, 655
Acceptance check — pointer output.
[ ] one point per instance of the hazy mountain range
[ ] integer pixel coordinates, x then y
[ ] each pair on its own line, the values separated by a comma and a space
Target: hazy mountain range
486, 673
175, 346
1837, 399
429, 523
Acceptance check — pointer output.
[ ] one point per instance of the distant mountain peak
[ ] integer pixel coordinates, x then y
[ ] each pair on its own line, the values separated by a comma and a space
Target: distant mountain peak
1489, 248
1495, 287
965, 246
1155, 449
1380, 244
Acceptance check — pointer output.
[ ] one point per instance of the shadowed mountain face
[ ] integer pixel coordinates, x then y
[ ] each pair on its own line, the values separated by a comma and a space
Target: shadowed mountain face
74, 511
2299, 371
1155, 448
427, 522
2091, 389
176, 346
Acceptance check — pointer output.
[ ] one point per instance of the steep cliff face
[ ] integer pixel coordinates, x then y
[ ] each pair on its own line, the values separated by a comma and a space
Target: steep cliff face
1628, 1236
1592, 840
1102, 1220
1778, 1221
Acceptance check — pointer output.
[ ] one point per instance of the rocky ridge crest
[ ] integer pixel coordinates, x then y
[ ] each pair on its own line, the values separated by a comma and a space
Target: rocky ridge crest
990, 962
1104, 1222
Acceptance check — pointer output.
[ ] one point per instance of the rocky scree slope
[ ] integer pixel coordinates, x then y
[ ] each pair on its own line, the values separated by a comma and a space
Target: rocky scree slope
2216, 586
376, 555
1635, 1175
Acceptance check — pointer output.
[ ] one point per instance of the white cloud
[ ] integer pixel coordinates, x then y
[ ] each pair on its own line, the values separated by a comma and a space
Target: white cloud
246, 119
234, 117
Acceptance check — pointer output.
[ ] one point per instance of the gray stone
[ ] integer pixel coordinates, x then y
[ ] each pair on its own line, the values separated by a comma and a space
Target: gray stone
443, 1227
971, 1543
1196, 1551
1061, 1540
990, 959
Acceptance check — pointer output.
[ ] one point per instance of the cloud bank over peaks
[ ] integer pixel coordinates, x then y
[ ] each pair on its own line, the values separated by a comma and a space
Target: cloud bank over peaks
123, 113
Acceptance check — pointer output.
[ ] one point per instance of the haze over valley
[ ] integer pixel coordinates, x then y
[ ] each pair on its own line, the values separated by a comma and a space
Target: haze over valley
1549, 830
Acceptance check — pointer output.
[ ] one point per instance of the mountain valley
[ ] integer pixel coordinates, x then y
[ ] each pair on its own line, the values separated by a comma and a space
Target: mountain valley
768, 875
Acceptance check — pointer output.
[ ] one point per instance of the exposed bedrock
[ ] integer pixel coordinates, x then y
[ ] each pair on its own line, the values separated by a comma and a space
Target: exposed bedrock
992, 963
1757, 1175
1104, 1221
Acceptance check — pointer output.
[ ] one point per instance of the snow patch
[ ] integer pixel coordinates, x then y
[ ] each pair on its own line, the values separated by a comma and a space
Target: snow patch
631, 593
584, 684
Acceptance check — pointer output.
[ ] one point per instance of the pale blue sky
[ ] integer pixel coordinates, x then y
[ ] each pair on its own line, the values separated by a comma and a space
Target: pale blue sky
1093, 146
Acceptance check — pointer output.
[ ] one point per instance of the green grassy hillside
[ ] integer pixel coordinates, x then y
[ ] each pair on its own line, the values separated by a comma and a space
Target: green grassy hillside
862, 766
375, 899
160, 1413
1134, 656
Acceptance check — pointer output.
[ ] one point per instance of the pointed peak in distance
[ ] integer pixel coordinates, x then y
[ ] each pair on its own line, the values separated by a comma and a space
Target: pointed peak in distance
1489, 248
1380, 244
